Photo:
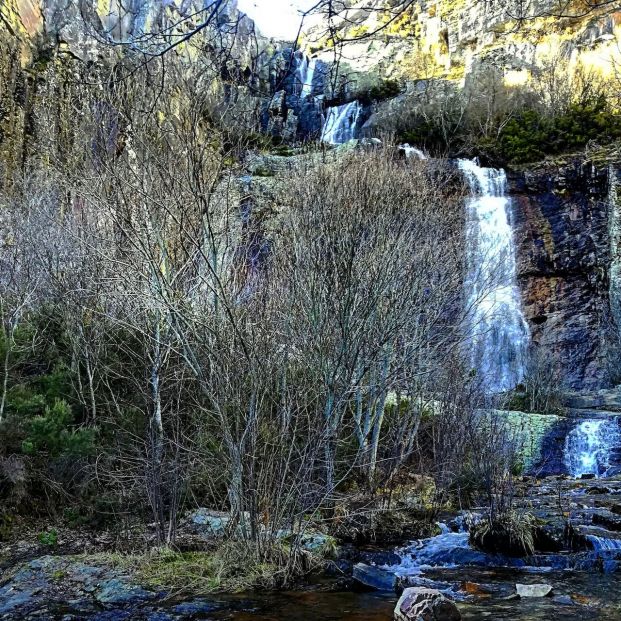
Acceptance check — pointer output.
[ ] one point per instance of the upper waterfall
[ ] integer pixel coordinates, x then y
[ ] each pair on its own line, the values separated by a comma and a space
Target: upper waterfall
341, 121
305, 76
498, 329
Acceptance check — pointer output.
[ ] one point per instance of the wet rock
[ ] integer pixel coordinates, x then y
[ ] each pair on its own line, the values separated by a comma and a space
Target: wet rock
609, 522
380, 557
477, 590
596, 490
197, 607
533, 590
374, 577
551, 537
118, 591
563, 600
418, 603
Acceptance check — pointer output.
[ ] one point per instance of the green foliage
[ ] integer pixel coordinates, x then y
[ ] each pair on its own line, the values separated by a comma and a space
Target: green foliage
48, 538
510, 533
6, 526
511, 138
386, 89
531, 136
53, 434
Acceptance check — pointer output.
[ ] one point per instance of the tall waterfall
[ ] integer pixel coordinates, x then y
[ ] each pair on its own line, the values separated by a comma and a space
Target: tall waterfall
498, 329
305, 73
341, 121
588, 447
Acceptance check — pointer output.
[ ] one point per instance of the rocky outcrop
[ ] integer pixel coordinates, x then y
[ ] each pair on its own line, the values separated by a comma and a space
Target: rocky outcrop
561, 222
452, 38
418, 603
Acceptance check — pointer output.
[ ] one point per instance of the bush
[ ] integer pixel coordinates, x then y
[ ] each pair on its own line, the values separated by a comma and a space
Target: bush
532, 136
509, 533
52, 433
386, 89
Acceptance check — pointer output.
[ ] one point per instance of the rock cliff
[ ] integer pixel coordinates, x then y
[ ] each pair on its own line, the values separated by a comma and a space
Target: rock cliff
562, 215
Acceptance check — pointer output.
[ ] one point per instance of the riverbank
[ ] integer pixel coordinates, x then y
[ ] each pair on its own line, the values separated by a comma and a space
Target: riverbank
582, 519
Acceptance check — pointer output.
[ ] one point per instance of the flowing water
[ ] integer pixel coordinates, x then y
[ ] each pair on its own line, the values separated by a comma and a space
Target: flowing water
305, 74
413, 152
499, 333
589, 446
341, 123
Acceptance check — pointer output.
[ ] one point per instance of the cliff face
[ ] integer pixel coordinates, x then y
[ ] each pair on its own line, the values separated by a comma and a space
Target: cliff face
562, 218
49, 49
451, 38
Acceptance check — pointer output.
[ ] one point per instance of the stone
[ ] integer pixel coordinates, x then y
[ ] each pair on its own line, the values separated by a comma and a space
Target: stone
375, 577
609, 522
118, 591
421, 604
533, 590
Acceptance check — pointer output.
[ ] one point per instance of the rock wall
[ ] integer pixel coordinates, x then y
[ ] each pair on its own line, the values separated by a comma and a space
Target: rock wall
451, 38
538, 438
561, 221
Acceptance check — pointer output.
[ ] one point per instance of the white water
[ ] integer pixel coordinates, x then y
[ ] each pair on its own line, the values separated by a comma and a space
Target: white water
602, 543
305, 74
497, 326
433, 552
588, 446
413, 152
341, 121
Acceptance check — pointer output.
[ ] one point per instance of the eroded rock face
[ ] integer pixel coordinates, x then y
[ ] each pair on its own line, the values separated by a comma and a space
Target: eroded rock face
420, 604
561, 224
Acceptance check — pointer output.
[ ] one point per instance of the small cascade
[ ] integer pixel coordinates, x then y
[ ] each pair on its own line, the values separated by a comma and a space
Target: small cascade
498, 329
603, 543
341, 123
305, 74
412, 152
589, 445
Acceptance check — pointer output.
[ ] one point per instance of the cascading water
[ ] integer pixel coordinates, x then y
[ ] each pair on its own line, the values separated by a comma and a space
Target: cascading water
412, 152
305, 75
341, 122
498, 329
588, 447
603, 543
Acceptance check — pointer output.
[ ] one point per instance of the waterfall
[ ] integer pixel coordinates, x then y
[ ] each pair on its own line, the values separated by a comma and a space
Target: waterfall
588, 447
305, 74
603, 543
341, 121
497, 326
410, 151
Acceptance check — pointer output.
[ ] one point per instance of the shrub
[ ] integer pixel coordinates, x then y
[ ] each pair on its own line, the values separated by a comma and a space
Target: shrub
386, 89
52, 433
508, 533
48, 538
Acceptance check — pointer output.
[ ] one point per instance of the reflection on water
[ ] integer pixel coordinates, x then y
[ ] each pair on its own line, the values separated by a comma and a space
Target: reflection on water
578, 596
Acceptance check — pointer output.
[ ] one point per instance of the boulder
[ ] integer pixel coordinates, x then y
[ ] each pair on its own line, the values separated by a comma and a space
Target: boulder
533, 590
421, 604
374, 577
609, 522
